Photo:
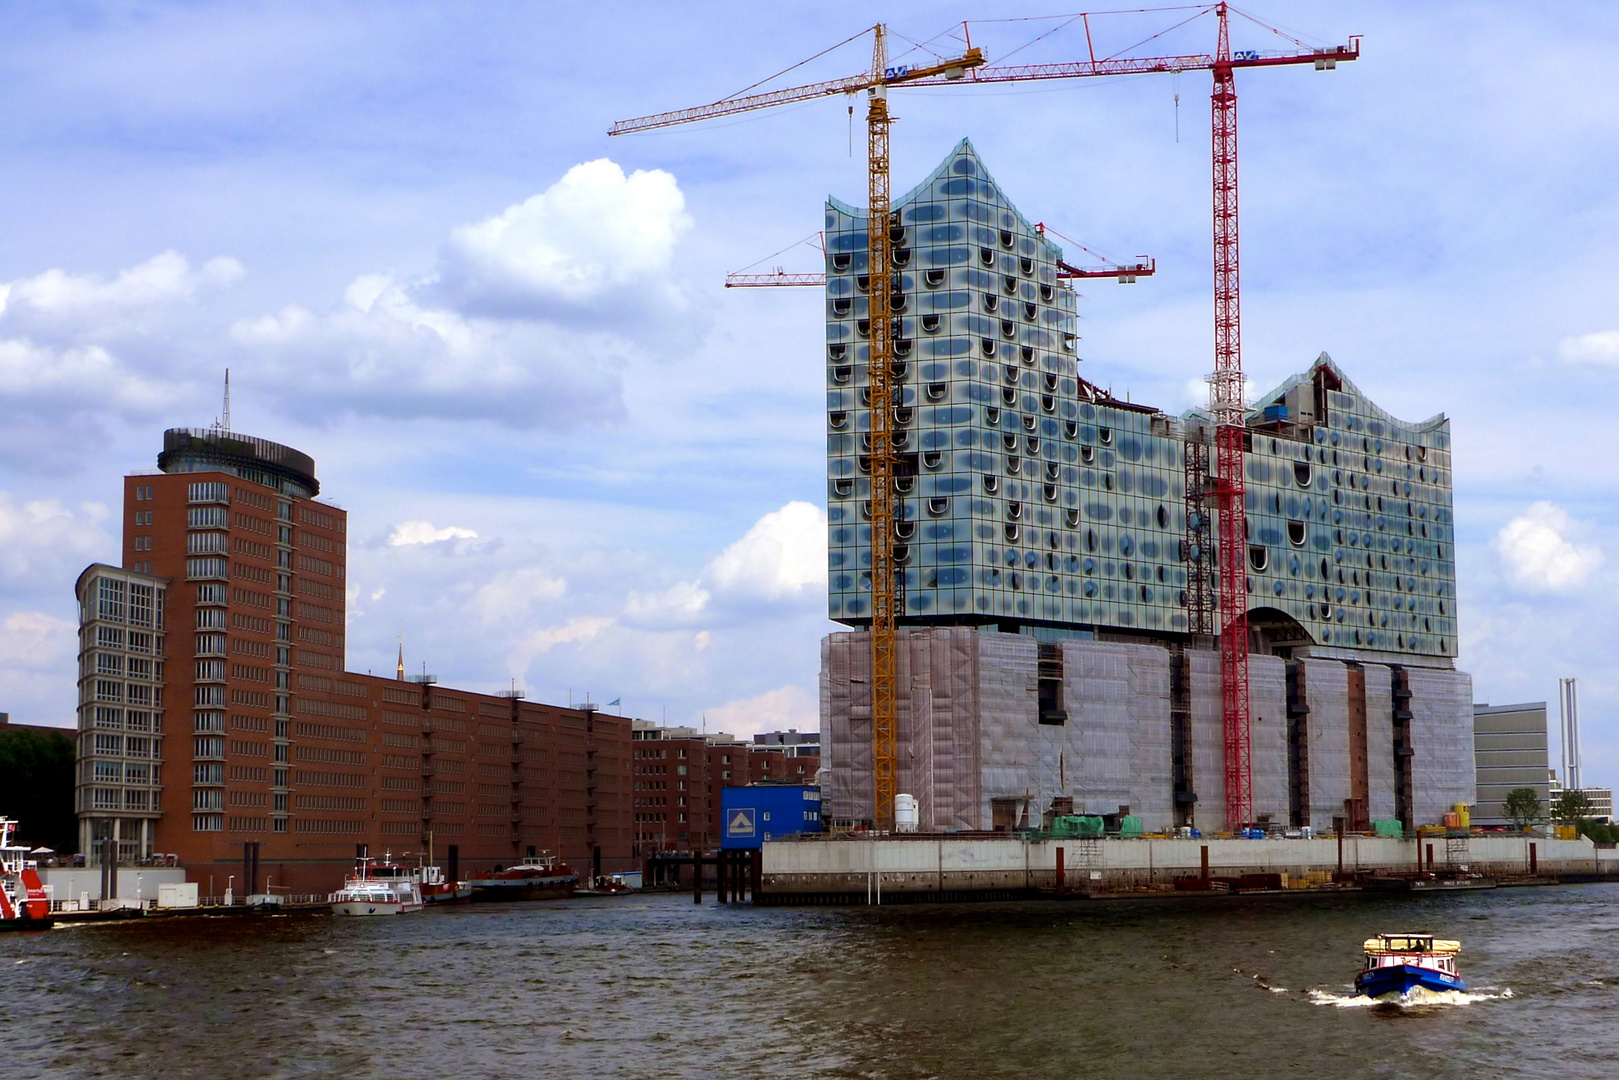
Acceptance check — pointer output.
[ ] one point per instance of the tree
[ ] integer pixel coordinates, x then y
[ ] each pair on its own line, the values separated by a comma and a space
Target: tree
1522, 807
36, 786
1571, 806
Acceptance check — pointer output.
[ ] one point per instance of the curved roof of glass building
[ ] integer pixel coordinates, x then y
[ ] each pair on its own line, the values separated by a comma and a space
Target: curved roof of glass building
259, 460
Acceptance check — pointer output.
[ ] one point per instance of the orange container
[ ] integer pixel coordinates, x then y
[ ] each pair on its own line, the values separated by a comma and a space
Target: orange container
1452, 821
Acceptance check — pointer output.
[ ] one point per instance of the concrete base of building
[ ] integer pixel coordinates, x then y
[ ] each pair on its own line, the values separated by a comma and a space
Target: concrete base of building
946, 869
996, 730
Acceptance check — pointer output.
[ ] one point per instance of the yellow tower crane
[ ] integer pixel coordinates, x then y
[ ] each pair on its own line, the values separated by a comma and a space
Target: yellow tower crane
884, 594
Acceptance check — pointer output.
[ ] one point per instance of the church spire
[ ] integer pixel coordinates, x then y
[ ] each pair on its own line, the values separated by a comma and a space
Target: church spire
401, 672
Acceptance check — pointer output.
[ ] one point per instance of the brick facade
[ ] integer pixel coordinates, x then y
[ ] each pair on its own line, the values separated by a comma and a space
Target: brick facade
677, 784
263, 737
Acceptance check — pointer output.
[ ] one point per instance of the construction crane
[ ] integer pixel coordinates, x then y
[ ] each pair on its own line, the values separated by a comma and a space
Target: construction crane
1126, 274
776, 279
780, 277
1226, 396
879, 363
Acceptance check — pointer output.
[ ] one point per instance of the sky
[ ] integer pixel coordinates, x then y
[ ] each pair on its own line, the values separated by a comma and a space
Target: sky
574, 462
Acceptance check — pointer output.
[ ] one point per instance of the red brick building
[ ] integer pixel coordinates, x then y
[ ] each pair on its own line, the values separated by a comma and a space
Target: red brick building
678, 776
216, 714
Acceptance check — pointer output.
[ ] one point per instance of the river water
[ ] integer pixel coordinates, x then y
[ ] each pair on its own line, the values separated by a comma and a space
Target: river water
653, 986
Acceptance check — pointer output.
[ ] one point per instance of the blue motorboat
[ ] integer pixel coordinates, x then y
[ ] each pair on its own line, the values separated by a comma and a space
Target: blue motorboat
1399, 963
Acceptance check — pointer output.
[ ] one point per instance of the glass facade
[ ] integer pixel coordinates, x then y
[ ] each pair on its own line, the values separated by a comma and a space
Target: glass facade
1028, 499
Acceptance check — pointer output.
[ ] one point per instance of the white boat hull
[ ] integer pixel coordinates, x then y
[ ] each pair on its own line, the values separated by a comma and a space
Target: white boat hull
374, 907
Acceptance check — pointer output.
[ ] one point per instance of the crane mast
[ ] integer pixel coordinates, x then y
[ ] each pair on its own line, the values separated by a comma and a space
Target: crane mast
879, 376
1230, 420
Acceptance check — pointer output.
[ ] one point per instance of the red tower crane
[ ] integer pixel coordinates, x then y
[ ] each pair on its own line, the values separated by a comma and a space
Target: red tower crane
1226, 385
780, 277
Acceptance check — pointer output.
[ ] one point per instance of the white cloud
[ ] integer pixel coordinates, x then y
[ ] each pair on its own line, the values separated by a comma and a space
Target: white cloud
37, 661
1539, 555
781, 556
528, 317
384, 353
515, 593
539, 642
32, 639
49, 378
43, 540
586, 241
679, 603
424, 532
773, 710
77, 348
95, 303
1601, 347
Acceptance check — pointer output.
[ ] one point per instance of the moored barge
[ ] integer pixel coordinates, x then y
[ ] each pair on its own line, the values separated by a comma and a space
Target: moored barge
538, 877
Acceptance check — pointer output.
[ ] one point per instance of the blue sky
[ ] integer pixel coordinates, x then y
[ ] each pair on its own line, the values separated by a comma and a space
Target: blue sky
572, 459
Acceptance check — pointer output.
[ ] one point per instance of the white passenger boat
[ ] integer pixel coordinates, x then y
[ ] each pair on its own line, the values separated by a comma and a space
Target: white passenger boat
365, 894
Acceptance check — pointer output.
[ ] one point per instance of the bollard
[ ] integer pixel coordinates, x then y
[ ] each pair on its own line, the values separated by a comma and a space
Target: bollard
696, 877
1061, 886
1534, 862
1205, 862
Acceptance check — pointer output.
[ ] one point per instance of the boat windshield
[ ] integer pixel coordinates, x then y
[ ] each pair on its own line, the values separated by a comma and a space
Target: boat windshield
1410, 944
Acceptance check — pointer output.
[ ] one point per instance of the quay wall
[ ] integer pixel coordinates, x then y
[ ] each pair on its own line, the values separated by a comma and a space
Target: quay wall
84, 883
964, 868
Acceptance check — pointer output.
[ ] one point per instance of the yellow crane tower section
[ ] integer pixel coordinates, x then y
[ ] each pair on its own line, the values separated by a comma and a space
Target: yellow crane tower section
884, 593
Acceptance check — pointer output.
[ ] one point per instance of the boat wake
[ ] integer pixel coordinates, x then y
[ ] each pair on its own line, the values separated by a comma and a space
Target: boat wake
1416, 997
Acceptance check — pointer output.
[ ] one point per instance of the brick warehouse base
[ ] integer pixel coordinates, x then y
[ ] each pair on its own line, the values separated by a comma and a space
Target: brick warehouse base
483, 779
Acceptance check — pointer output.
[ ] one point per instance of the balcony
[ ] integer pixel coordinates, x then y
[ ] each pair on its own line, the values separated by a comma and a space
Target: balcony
207, 569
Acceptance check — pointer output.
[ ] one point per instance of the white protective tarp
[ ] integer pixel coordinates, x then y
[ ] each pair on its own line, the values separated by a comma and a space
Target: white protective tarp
1326, 689
1208, 740
1379, 742
1267, 737
1010, 743
1442, 740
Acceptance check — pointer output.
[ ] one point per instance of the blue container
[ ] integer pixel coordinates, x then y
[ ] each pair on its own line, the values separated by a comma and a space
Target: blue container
758, 812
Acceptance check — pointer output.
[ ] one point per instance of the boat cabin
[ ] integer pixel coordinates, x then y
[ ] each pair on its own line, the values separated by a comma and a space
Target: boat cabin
1420, 950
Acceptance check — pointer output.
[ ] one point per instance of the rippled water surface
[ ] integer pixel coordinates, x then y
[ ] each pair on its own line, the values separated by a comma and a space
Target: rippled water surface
652, 986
